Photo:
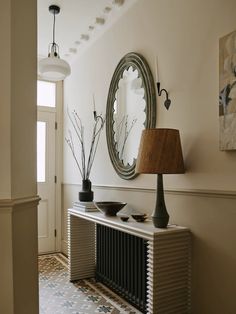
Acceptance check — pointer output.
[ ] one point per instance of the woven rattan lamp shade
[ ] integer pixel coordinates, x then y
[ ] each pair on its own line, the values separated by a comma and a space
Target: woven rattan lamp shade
160, 152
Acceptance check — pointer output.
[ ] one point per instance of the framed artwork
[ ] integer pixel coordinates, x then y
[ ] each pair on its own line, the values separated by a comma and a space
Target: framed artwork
227, 91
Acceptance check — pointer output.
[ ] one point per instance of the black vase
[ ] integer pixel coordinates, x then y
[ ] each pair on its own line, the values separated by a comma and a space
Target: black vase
86, 195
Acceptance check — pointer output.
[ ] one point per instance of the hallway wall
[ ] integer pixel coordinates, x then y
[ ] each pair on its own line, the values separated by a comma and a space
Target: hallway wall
184, 35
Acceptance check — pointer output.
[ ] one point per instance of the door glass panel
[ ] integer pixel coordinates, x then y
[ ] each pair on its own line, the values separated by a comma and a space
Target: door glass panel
46, 94
41, 151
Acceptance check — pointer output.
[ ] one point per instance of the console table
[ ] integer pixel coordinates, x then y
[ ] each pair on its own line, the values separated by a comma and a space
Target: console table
167, 258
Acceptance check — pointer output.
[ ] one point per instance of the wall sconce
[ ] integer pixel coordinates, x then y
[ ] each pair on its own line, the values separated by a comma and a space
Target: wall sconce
167, 102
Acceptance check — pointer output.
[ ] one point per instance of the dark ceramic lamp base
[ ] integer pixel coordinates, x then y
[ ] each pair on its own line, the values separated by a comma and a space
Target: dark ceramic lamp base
160, 217
160, 222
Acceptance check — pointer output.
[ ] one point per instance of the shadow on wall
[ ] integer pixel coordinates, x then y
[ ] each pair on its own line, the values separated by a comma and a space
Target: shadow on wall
212, 221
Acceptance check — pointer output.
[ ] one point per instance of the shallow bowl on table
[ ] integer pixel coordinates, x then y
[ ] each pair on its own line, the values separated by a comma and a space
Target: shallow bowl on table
110, 208
124, 217
139, 217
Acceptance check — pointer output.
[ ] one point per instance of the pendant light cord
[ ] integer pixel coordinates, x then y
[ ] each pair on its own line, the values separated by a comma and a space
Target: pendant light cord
53, 34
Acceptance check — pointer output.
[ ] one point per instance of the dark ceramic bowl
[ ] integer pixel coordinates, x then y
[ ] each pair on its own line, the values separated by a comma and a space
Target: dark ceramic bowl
124, 217
140, 217
110, 208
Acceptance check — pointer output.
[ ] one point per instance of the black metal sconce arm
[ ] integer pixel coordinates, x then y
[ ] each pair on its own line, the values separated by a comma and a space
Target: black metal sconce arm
159, 91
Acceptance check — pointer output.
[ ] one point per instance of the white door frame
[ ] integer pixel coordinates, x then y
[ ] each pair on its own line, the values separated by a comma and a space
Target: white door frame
58, 162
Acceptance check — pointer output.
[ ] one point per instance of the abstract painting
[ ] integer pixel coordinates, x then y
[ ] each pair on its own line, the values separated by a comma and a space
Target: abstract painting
227, 91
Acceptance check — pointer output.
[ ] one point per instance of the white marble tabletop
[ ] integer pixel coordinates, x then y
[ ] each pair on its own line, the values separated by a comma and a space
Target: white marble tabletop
144, 229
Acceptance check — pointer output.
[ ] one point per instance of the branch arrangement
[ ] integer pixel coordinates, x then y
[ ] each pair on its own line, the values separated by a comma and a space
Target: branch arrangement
123, 131
84, 165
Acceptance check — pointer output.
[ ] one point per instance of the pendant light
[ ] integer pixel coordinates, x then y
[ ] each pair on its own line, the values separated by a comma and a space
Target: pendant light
53, 68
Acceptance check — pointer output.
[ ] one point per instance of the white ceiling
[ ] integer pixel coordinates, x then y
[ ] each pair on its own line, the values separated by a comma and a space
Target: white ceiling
77, 18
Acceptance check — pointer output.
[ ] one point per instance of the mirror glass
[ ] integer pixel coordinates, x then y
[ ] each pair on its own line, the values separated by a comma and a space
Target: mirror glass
130, 108
129, 115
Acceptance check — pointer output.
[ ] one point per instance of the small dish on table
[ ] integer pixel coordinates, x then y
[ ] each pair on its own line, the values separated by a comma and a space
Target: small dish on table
124, 218
140, 217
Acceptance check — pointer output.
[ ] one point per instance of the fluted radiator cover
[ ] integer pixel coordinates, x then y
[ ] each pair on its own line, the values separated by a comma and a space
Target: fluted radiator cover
150, 267
81, 248
168, 268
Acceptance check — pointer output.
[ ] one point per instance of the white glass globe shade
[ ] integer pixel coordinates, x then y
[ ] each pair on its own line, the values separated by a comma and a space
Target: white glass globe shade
53, 69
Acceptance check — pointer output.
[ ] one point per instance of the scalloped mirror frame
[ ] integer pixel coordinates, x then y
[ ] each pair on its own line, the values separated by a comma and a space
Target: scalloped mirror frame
137, 61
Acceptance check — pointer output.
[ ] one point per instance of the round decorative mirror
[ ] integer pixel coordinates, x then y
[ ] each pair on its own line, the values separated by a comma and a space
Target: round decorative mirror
131, 107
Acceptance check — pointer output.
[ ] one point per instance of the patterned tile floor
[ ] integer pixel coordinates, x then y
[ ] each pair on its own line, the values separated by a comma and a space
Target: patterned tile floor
57, 295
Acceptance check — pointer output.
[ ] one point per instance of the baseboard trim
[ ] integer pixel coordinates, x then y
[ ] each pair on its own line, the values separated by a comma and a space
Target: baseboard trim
64, 247
185, 192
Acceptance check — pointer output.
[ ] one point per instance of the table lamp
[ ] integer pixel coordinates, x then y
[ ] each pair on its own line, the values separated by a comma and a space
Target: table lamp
160, 152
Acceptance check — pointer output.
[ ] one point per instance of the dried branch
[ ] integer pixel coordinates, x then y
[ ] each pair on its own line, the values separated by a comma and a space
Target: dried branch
124, 129
79, 131
99, 123
70, 144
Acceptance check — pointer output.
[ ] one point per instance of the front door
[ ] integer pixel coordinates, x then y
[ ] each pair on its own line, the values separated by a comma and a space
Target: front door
46, 167
46, 181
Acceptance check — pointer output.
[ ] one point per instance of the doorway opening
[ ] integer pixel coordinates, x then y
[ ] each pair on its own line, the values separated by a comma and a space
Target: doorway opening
49, 108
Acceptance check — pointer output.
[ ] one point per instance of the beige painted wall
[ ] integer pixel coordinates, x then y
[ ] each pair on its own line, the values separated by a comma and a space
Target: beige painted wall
5, 189
6, 263
23, 98
18, 189
25, 259
17, 110
184, 34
